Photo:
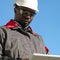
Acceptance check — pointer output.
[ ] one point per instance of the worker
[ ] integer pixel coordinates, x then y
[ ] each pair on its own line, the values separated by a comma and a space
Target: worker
17, 39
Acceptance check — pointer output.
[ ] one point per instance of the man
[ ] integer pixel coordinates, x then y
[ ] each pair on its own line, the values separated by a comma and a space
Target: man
17, 39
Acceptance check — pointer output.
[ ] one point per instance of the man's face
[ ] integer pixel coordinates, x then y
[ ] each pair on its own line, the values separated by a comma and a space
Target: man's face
24, 15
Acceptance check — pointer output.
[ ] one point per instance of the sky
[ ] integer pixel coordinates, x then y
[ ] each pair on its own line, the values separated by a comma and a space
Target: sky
46, 22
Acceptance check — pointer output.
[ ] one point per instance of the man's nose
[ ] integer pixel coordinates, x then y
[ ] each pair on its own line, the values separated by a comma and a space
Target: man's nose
27, 17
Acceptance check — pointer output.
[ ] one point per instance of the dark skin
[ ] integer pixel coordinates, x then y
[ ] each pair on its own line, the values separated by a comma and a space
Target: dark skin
23, 18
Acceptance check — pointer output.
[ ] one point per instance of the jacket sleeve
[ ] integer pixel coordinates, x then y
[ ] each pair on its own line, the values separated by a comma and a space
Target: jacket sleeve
2, 37
44, 49
42, 45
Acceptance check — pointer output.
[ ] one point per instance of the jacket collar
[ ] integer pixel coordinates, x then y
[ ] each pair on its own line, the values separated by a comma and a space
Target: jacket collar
12, 24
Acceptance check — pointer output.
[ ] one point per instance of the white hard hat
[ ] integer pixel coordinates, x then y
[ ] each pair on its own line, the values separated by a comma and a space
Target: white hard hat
32, 4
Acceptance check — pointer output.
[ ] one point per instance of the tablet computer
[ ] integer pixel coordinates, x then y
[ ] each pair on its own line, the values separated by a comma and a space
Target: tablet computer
37, 56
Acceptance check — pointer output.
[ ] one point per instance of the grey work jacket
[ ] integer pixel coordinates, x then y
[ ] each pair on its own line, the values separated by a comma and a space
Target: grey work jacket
21, 45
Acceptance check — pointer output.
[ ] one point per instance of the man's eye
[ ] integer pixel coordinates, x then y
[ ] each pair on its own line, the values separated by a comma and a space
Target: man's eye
32, 14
